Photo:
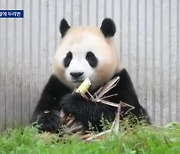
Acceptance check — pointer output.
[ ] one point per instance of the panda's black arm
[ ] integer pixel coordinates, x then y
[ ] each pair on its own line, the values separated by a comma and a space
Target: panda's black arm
86, 111
49, 102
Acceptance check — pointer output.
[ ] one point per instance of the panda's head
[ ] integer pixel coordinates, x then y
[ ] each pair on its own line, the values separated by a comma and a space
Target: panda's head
86, 52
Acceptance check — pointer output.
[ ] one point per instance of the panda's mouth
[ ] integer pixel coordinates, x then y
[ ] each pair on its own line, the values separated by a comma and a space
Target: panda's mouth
77, 81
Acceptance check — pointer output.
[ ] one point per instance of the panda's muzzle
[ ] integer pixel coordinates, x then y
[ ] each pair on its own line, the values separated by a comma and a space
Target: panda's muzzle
76, 75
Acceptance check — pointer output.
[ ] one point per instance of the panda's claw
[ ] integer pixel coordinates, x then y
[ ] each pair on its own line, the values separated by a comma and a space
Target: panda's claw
49, 121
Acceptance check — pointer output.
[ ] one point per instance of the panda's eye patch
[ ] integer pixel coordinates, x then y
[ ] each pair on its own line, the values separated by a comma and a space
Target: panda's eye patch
91, 58
68, 59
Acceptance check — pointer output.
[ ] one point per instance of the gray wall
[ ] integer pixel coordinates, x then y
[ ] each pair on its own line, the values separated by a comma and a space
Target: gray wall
147, 40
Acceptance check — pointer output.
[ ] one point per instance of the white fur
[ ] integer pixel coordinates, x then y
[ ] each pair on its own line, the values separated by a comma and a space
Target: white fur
79, 41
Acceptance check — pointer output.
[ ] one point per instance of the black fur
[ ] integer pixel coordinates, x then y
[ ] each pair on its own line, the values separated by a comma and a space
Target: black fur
57, 96
50, 98
63, 28
108, 27
86, 111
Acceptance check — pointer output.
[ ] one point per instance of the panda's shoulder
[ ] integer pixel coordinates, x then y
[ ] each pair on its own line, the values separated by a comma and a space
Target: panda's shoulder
125, 79
55, 86
123, 73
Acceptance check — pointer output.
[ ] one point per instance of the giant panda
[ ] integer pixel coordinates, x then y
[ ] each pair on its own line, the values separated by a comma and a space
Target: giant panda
85, 52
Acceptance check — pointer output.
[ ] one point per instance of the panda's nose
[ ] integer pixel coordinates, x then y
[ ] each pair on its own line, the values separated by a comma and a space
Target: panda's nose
76, 74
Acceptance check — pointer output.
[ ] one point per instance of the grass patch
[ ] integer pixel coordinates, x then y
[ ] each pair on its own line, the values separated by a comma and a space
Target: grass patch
141, 139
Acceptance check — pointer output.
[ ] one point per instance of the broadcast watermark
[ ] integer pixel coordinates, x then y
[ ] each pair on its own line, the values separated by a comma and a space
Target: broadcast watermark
11, 13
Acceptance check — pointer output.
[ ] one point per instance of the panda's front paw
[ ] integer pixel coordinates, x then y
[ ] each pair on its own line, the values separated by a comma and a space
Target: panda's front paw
49, 121
72, 104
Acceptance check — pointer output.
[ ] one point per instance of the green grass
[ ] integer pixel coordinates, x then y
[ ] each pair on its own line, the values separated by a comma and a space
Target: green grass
139, 140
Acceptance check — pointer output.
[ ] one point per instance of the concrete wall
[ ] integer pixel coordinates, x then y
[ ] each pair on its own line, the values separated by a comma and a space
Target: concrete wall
147, 40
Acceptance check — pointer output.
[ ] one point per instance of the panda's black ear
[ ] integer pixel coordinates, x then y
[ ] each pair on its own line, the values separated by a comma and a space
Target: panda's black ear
108, 27
63, 27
